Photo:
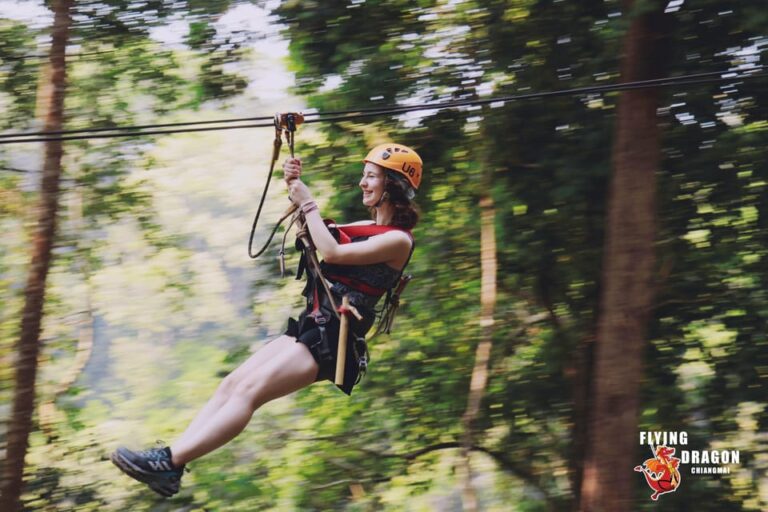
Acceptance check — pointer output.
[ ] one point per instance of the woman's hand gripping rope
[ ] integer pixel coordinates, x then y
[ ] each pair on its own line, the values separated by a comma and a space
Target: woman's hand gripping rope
292, 177
341, 353
297, 190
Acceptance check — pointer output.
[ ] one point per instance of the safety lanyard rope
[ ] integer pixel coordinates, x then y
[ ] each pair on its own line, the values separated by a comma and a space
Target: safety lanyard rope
392, 302
284, 124
313, 264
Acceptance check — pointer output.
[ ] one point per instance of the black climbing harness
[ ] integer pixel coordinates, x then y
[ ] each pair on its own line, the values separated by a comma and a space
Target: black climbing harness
385, 314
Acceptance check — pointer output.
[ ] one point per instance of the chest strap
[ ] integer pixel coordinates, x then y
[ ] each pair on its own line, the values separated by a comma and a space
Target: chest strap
345, 236
347, 233
357, 285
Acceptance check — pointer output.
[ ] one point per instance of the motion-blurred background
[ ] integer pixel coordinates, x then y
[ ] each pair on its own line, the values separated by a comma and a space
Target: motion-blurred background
589, 265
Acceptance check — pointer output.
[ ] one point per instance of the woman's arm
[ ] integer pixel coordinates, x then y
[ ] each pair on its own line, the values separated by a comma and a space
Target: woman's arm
390, 247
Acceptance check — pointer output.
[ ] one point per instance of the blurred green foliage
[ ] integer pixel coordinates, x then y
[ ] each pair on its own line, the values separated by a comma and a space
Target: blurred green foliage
549, 163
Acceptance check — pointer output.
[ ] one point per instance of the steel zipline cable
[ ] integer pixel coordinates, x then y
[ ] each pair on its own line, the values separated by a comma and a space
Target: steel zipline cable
350, 115
332, 113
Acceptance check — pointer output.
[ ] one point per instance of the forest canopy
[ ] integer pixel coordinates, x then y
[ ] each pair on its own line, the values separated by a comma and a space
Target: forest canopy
589, 267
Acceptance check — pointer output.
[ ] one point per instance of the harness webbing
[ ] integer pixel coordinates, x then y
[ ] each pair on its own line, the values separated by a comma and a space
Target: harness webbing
358, 230
357, 285
349, 232
345, 234
392, 301
310, 262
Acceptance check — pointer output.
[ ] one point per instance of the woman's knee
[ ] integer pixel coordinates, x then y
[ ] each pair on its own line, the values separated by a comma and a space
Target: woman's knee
252, 388
292, 369
227, 386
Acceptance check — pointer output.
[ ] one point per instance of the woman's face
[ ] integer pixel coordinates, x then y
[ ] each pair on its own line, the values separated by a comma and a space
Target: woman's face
372, 184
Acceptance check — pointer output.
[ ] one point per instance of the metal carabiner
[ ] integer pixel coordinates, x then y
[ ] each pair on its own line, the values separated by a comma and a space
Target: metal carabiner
288, 123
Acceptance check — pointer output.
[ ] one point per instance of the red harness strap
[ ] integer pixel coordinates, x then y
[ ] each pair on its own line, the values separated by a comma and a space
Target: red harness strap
346, 234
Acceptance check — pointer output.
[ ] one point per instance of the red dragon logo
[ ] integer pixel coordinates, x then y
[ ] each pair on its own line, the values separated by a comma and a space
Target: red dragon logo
661, 472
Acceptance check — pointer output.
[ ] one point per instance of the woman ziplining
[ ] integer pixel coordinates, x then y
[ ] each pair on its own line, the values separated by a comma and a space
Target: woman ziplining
362, 262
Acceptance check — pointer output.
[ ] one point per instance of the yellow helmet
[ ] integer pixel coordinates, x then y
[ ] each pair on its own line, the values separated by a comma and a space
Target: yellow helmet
398, 158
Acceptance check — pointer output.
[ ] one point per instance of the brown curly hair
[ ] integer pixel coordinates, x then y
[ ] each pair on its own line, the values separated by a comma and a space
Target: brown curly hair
406, 214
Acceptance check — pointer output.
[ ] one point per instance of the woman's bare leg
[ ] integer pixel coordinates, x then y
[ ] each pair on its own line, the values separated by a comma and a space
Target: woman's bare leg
291, 368
228, 384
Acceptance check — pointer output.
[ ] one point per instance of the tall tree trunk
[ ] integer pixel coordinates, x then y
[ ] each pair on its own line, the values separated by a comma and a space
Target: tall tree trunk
479, 379
579, 372
29, 341
627, 289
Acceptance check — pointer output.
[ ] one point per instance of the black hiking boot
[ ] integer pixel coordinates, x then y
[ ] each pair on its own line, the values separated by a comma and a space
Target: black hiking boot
152, 467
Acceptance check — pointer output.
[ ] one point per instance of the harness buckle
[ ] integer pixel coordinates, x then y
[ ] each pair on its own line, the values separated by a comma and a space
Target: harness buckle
362, 359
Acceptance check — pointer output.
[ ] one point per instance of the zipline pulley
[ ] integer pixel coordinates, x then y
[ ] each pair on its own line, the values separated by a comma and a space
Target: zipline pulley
285, 125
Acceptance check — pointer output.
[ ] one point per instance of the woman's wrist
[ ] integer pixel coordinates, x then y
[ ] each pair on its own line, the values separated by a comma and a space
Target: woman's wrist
308, 206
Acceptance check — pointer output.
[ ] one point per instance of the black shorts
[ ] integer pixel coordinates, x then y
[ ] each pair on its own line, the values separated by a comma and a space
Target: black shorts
309, 333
